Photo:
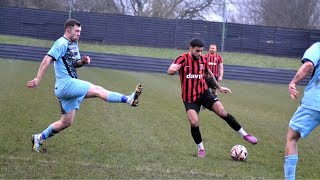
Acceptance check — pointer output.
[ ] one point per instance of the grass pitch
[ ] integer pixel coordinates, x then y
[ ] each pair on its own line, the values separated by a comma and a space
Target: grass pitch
151, 141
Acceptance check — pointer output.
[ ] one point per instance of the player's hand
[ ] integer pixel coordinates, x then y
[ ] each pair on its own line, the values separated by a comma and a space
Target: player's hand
33, 83
175, 67
219, 79
85, 59
293, 91
225, 90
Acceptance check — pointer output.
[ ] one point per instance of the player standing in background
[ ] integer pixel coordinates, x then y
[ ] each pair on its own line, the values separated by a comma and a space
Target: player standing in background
215, 63
191, 67
69, 90
307, 116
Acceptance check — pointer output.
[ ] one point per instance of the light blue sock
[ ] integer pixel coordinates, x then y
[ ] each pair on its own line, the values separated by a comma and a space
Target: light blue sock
116, 97
290, 164
49, 132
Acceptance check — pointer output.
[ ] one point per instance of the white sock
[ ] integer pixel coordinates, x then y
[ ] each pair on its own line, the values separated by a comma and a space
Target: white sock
130, 97
242, 132
200, 146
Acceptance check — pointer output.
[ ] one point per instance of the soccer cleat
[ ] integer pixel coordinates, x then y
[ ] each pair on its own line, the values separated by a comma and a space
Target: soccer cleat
201, 153
35, 143
133, 99
251, 139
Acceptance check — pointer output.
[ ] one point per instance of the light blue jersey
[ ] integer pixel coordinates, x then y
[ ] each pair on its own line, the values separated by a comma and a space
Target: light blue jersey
311, 98
69, 90
66, 54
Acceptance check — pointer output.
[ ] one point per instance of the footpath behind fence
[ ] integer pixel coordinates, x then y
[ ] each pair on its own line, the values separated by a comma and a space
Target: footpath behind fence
153, 65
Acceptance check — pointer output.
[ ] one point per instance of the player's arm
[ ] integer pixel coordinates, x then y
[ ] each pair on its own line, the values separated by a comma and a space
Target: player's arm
302, 73
84, 60
215, 82
42, 69
221, 89
221, 71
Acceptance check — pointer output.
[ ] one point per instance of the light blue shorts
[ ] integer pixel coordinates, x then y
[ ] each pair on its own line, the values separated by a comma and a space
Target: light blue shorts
71, 93
304, 121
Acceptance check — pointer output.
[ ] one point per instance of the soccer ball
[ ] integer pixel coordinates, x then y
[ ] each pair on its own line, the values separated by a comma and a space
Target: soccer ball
239, 153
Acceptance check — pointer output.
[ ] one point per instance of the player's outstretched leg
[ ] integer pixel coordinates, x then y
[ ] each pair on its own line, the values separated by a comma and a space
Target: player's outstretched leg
234, 124
35, 143
133, 98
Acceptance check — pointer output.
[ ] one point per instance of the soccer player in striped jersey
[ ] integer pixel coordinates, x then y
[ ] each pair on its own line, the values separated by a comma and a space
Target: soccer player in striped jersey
194, 91
215, 63
307, 116
70, 90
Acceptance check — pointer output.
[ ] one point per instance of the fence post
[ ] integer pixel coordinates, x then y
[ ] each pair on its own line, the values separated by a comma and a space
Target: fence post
258, 50
223, 25
274, 40
241, 39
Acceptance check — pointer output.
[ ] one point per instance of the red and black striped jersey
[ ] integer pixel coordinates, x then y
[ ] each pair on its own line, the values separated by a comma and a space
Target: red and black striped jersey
191, 74
213, 63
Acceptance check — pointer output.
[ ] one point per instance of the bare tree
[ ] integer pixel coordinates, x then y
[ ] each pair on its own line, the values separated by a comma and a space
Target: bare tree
290, 13
171, 9
191, 9
96, 6
57, 5
244, 12
163, 9
284, 13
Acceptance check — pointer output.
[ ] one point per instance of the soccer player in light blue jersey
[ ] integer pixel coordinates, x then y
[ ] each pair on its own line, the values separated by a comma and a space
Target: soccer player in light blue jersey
307, 116
69, 90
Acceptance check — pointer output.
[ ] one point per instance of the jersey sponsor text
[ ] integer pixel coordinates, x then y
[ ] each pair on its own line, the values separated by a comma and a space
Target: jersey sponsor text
194, 76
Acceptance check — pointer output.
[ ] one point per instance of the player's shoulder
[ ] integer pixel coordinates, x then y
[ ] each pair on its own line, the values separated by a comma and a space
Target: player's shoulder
182, 56
314, 48
219, 55
61, 42
316, 44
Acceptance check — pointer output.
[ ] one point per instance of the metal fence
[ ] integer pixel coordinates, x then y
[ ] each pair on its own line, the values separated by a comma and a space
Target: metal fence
154, 32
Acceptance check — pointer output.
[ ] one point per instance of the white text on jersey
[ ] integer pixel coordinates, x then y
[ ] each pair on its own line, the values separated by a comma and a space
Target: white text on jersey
194, 76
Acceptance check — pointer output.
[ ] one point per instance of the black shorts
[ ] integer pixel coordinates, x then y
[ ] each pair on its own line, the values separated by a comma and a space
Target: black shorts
206, 100
210, 82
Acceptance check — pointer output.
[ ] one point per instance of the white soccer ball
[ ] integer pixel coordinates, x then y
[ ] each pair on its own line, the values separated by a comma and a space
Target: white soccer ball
239, 153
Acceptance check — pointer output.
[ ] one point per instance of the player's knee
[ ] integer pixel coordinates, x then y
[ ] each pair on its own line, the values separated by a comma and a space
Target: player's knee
97, 91
293, 138
293, 135
194, 122
221, 112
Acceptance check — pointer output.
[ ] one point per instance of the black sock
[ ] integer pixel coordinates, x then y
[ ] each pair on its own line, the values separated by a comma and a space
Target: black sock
233, 123
195, 131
